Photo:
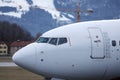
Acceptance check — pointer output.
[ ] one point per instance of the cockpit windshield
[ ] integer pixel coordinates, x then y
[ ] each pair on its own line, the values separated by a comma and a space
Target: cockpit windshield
62, 41
53, 41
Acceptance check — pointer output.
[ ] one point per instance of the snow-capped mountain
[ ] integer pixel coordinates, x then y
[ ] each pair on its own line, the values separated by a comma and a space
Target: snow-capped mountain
17, 8
34, 15
14, 7
40, 16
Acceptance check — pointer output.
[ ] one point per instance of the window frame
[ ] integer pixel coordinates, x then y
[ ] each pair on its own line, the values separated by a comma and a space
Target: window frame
38, 40
64, 42
5, 47
1, 52
1, 47
50, 38
56, 41
4, 51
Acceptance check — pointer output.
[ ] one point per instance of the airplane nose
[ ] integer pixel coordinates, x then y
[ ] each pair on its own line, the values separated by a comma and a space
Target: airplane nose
25, 57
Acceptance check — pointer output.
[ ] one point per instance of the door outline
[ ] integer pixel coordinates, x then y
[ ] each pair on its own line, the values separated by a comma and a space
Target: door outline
95, 40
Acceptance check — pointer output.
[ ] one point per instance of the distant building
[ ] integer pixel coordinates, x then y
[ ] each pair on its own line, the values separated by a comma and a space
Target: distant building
3, 48
15, 46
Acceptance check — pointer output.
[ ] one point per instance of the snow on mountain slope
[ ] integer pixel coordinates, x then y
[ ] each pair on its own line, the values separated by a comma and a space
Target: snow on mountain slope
48, 5
22, 7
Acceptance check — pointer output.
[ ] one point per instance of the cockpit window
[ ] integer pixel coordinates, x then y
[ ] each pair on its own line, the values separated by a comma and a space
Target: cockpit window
62, 41
43, 40
53, 41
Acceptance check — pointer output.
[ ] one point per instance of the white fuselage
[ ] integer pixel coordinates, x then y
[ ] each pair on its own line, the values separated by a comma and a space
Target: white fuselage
91, 52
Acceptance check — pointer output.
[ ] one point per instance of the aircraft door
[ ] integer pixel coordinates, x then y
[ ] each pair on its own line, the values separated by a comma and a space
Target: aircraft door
97, 46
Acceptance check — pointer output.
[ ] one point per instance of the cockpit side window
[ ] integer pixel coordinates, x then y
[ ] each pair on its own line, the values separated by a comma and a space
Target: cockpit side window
62, 41
43, 40
53, 41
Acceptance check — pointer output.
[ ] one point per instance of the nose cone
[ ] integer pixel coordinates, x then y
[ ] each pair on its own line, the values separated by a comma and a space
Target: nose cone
25, 57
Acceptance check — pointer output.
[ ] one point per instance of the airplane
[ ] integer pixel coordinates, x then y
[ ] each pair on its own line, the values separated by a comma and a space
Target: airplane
81, 51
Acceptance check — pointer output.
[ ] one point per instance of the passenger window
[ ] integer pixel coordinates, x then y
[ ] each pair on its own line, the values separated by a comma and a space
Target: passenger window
62, 41
53, 41
114, 43
42, 40
119, 43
